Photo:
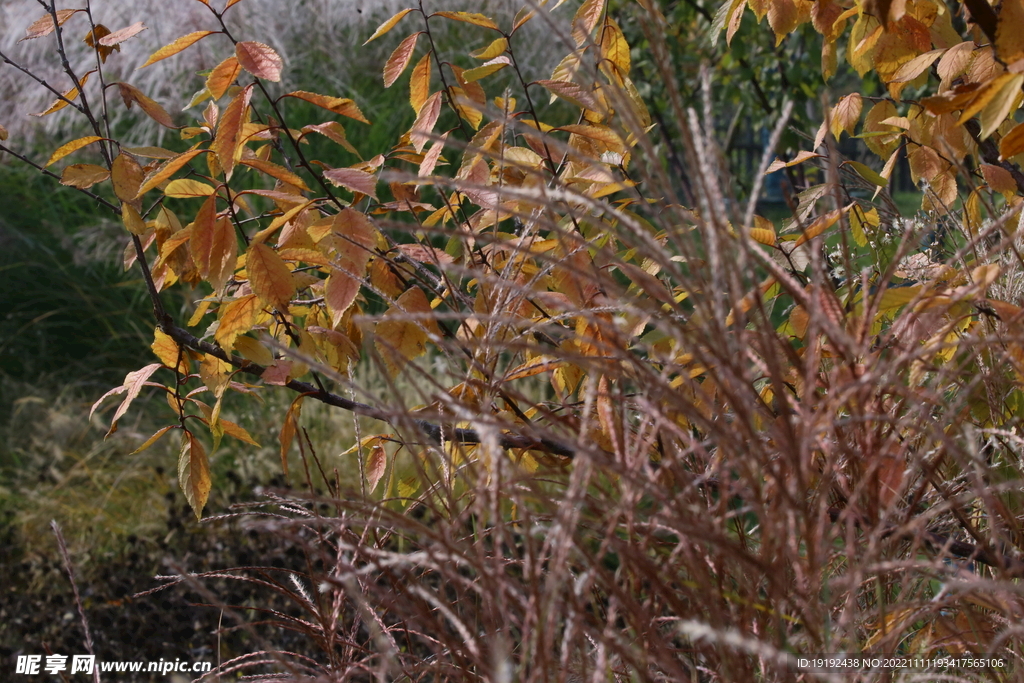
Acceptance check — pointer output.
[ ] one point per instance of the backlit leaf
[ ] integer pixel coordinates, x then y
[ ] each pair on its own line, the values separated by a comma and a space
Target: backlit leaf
335, 131
288, 430
274, 171
867, 173
70, 147
1010, 31
133, 383
497, 47
1012, 143
573, 93
260, 60
237, 317
820, 225
187, 188
800, 158
376, 464
486, 69
153, 439
66, 98
223, 76
614, 47
269, 277
996, 111
585, 20
177, 46
846, 113
916, 66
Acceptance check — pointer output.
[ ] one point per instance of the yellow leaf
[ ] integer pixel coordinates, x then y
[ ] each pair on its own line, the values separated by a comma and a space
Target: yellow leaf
153, 439
985, 95
614, 47
269, 277
94, 39
783, 17
895, 297
70, 147
800, 158
194, 473
388, 25
177, 46
237, 432
497, 47
867, 173
399, 59
260, 60
132, 219
126, 174
882, 145
401, 334
237, 317
419, 84
763, 236
223, 77
67, 97
252, 350
83, 176
1005, 101
820, 225
339, 105
168, 351
186, 188
486, 69
469, 17
168, 169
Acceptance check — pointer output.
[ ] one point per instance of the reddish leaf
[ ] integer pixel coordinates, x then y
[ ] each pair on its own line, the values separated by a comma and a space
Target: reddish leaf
260, 60
354, 180
399, 60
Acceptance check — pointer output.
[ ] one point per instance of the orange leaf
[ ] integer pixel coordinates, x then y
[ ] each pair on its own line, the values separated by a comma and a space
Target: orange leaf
376, 464
223, 76
194, 473
186, 188
66, 98
339, 105
168, 169
269, 277
399, 59
229, 130
800, 158
399, 336
177, 46
333, 130
132, 219
260, 60
388, 25
274, 171
820, 225
288, 430
1012, 143
1009, 33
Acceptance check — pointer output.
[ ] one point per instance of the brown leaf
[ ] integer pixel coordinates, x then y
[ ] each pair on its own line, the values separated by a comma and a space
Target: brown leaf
376, 464
130, 94
260, 60
127, 176
1012, 143
43, 26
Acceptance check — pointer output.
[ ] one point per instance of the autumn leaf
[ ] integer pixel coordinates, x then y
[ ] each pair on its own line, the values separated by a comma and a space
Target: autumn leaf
83, 176
1012, 143
419, 84
401, 335
376, 464
237, 317
169, 168
194, 473
133, 383
585, 20
288, 430
470, 18
275, 171
127, 175
187, 188
229, 130
614, 47
43, 26
486, 69
65, 98
260, 60
269, 277
354, 180
94, 40
339, 105
182, 43
121, 35
800, 158
70, 147
388, 25
399, 59
497, 47
425, 121
223, 76
132, 95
